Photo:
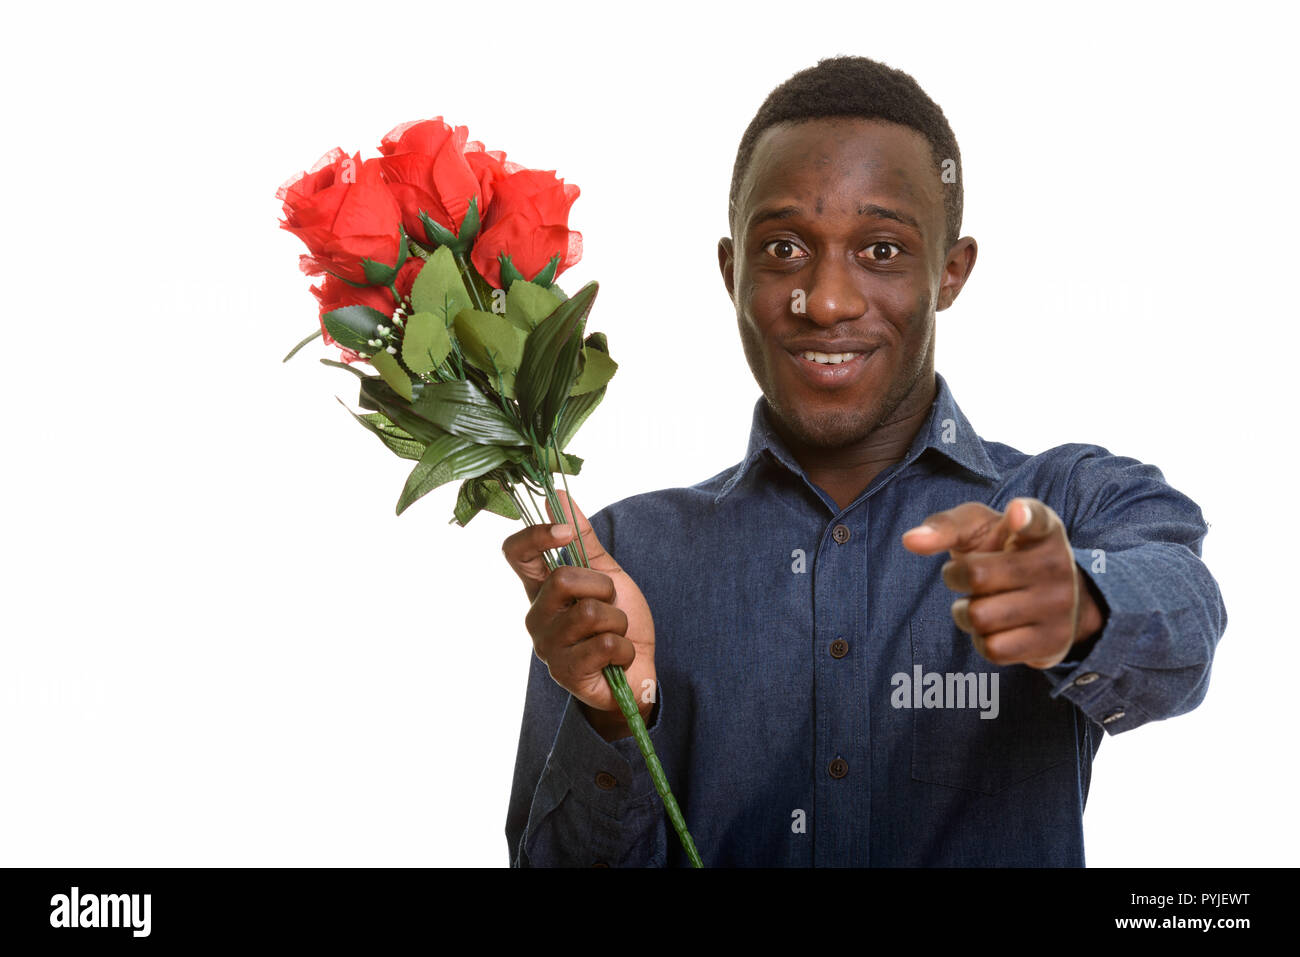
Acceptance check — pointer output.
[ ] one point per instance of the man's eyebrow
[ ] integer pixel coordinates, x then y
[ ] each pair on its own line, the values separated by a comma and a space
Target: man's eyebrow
871, 209
774, 212
867, 209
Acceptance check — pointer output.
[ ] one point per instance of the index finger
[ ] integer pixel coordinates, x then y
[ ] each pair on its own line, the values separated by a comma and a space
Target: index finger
961, 528
524, 550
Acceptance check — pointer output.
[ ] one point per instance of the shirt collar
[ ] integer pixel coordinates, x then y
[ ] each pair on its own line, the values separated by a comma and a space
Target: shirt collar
946, 430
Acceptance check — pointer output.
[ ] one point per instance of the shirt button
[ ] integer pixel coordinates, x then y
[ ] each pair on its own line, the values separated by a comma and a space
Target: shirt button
606, 781
839, 767
1112, 717
840, 533
1087, 679
839, 648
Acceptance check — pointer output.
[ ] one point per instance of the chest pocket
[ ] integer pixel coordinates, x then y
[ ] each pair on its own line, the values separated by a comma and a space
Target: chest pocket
1024, 733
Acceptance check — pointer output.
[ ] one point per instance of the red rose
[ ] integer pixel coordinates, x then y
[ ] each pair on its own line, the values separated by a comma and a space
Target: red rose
527, 220
490, 166
344, 212
334, 293
425, 166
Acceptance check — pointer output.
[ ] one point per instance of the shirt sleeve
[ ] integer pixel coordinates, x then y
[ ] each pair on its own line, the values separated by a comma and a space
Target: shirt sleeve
592, 802
1137, 540
578, 800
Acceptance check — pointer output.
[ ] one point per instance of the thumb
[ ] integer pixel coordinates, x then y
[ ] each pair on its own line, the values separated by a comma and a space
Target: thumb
1032, 521
597, 557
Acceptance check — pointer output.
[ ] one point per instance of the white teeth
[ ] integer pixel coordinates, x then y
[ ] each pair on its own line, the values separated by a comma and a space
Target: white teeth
830, 358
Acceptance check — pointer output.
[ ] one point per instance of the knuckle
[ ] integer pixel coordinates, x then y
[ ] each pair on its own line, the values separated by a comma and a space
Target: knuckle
535, 621
995, 653
587, 612
563, 577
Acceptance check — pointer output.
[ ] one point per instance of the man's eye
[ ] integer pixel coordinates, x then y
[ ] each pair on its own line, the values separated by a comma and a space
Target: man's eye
882, 252
783, 249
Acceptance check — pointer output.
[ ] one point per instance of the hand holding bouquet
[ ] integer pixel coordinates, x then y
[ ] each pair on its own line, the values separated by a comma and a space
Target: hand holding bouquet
439, 261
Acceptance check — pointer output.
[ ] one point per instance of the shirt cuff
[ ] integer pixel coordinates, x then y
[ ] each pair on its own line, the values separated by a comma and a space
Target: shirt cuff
607, 776
1087, 676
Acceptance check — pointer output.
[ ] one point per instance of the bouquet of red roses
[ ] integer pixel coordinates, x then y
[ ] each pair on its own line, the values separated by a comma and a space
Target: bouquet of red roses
439, 260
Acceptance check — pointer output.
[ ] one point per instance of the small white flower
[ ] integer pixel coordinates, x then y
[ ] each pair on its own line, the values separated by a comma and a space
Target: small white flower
392, 350
384, 330
374, 342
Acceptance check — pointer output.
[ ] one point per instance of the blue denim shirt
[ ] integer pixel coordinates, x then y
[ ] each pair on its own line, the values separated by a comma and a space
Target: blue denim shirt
817, 705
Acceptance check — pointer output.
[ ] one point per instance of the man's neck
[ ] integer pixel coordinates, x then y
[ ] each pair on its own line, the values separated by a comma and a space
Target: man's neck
846, 472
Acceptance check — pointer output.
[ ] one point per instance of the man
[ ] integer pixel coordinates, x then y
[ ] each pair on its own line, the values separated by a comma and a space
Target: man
816, 696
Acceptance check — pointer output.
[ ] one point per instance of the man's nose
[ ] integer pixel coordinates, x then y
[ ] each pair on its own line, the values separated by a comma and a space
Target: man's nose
834, 293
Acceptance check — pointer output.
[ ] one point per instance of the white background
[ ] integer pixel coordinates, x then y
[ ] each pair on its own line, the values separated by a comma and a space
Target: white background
221, 647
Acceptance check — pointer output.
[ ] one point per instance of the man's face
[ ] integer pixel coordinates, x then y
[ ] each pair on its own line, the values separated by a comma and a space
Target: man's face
836, 269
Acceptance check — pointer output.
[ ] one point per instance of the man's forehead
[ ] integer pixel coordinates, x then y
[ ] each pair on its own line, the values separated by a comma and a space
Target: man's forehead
893, 160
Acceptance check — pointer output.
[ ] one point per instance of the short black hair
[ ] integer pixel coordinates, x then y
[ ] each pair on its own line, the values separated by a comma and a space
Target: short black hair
855, 86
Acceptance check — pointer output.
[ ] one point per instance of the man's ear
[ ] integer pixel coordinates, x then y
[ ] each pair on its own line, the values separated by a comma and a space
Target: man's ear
956, 270
727, 263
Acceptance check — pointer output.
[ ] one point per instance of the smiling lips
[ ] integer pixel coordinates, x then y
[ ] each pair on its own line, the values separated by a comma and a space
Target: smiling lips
830, 369
829, 358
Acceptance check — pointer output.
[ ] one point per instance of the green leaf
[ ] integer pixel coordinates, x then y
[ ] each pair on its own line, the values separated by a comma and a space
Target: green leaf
461, 409
379, 395
465, 509
550, 363
425, 344
398, 440
597, 369
438, 287
572, 464
575, 412
528, 304
431, 471
483, 493
354, 326
446, 461
393, 373
491, 343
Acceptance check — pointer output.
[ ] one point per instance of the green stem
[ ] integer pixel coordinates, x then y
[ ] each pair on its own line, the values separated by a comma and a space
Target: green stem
616, 678
463, 263
294, 351
572, 514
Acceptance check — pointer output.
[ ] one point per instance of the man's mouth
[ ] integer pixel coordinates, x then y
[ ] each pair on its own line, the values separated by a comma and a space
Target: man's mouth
831, 370
830, 358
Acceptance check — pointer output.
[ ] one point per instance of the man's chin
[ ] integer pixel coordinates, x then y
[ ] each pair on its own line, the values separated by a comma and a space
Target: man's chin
831, 429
